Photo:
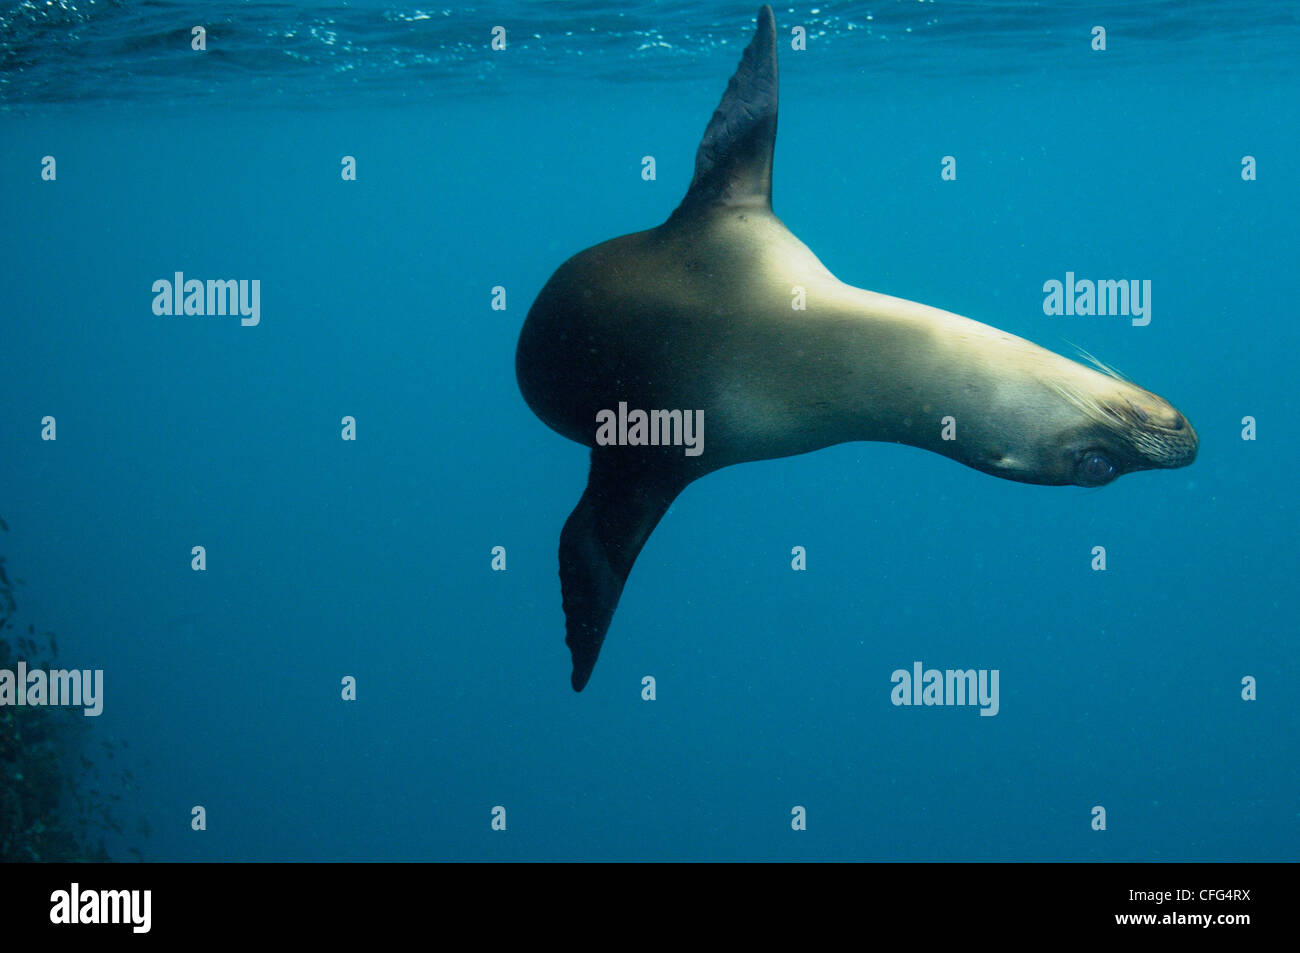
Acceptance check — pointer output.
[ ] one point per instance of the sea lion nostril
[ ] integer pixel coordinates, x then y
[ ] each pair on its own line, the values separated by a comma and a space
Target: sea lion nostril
1177, 424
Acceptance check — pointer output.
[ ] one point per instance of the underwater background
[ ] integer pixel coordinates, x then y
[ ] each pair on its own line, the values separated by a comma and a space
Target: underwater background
372, 558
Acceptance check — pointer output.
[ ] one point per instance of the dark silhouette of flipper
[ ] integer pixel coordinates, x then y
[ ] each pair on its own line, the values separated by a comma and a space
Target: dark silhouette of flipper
627, 494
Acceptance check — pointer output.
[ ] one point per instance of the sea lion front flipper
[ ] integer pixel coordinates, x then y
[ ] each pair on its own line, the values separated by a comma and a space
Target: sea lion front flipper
733, 165
626, 496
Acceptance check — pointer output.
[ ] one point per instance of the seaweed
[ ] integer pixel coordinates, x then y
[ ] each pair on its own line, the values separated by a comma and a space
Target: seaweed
55, 804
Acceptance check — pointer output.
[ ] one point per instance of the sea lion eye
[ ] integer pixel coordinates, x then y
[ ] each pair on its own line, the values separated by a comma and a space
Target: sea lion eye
1096, 470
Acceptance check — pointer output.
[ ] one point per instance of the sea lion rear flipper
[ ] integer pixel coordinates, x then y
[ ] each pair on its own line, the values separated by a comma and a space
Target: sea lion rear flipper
624, 501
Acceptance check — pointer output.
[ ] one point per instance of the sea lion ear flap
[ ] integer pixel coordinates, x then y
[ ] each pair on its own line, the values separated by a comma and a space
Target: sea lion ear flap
734, 163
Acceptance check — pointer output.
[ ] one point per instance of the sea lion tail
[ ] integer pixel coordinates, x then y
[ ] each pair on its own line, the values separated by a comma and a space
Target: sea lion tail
601, 540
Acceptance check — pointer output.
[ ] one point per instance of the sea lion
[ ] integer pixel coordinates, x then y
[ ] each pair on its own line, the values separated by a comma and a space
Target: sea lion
699, 315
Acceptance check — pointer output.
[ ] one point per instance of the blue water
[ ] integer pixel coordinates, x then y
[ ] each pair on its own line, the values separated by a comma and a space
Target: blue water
372, 558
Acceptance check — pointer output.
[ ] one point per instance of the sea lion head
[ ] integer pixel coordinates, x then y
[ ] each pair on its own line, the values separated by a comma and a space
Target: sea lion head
1071, 424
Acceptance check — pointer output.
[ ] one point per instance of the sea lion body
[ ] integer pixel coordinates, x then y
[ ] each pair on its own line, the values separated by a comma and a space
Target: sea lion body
699, 315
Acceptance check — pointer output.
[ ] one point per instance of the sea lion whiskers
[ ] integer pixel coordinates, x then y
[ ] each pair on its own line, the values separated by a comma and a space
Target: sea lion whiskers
1100, 365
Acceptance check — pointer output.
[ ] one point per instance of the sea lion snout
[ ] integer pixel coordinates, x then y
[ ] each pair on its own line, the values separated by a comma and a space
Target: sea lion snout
1158, 431
1174, 445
